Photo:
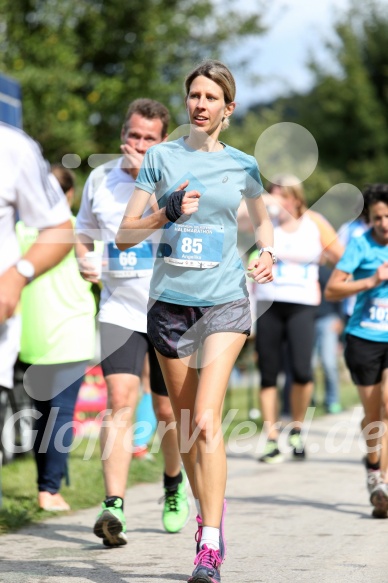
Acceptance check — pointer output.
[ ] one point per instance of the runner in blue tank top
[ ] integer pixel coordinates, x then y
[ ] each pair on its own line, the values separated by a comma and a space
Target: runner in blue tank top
198, 295
363, 270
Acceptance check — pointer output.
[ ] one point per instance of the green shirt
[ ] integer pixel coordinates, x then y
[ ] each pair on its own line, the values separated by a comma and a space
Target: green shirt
58, 310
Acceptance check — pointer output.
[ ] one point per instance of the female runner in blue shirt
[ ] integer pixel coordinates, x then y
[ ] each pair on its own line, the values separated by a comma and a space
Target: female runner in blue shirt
198, 296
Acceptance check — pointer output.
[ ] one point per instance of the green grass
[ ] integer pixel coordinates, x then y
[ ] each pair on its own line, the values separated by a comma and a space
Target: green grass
86, 489
19, 503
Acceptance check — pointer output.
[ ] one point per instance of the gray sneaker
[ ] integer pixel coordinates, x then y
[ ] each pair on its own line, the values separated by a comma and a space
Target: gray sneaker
208, 565
379, 513
373, 477
373, 480
378, 492
379, 498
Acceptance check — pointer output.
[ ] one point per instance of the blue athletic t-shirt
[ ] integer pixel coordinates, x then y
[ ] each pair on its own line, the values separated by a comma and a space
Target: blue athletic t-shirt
362, 257
197, 262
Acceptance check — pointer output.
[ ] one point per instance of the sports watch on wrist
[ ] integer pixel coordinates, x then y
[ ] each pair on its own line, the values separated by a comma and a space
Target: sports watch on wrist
25, 268
271, 251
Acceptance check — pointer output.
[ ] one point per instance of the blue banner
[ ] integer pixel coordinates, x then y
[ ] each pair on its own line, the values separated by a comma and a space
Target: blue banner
10, 101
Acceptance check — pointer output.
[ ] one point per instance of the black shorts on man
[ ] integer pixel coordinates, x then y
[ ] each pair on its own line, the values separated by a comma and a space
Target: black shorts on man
123, 352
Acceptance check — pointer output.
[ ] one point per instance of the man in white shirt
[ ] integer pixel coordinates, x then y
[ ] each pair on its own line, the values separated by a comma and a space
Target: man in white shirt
123, 323
29, 190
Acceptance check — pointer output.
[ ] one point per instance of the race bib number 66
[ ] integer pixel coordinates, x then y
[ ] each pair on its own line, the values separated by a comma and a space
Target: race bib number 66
137, 261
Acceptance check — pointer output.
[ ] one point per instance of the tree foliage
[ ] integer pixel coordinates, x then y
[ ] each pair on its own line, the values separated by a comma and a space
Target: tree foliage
80, 62
347, 110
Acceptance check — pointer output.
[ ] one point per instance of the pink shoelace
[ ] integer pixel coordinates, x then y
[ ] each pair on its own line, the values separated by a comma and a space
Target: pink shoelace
208, 558
198, 534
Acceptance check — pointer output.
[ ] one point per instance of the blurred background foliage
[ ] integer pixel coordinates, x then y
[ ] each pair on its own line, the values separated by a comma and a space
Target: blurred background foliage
347, 108
80, 63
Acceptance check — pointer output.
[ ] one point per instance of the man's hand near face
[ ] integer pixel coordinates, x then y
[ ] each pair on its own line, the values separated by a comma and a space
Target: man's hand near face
132, 160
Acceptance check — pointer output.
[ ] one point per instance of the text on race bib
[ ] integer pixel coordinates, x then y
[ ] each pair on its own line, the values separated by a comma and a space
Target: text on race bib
192, 245
375, 314
137, 261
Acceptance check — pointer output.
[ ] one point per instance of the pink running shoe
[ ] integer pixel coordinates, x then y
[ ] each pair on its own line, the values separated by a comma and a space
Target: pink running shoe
208, 563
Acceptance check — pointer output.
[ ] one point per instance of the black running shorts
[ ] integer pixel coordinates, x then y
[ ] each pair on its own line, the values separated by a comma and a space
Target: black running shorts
365, 360
178, 331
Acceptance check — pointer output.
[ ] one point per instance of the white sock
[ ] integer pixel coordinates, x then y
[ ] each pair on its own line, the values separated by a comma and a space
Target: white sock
210, 537
198, 506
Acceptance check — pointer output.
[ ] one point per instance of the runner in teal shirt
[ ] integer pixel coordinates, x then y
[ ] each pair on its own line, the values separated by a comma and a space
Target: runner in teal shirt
362, 258
363, 270
198, 263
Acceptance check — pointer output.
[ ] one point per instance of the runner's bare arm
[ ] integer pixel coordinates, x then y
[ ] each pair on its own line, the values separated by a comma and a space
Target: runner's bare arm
341, 285
135, 228
51, 246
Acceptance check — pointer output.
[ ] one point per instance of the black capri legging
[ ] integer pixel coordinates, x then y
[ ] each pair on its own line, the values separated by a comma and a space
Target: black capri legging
282, 321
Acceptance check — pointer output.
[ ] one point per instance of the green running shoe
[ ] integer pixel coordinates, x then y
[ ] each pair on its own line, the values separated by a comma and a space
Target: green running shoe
176, 510
334, 408
272, 453
296, 442
111, 525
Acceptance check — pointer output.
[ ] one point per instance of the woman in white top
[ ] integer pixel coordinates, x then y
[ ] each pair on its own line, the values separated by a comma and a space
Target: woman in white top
286, 308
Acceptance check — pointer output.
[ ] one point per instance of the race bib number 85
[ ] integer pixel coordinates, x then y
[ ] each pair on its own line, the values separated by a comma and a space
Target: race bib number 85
193, 245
